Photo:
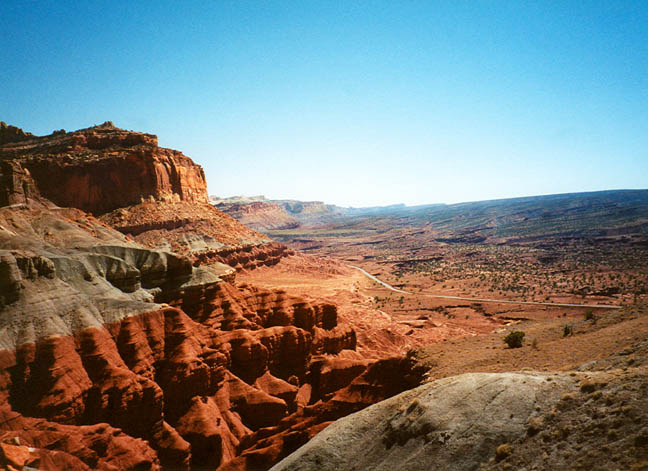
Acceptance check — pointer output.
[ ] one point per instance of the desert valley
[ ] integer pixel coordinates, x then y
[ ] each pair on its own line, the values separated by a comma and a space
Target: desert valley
145, 325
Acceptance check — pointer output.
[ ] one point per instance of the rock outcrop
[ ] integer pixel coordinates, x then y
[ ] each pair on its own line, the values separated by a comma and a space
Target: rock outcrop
455, 423
155, 195
114, 355
266, 215
379, 380
197, 230
260, 215
592, 418
16, 184
308, 212
102, 168
10, 133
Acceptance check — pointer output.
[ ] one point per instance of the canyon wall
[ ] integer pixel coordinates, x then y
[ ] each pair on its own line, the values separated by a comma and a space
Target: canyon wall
267, 215
260, 215
155, 195
103, 168
125, 340
116, 356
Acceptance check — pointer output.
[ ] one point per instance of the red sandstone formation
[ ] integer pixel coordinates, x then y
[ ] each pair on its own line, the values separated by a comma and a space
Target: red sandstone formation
10, 133
157, 196
260, 215
103, 168
16, 184
161, 363
198, 230
376, 382
263, 215
117, 356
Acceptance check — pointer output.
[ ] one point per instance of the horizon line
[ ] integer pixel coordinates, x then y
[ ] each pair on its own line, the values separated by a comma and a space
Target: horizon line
542, 195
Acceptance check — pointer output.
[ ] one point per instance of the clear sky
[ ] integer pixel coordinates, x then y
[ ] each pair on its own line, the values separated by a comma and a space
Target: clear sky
352, 102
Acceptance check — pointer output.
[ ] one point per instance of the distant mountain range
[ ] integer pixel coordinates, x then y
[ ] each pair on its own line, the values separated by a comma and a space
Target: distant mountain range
602, 213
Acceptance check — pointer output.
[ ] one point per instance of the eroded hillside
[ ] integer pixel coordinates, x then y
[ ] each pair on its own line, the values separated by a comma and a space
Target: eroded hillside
127, 342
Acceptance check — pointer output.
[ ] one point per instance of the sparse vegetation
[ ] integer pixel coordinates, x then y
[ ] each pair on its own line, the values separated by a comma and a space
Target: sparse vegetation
514, 339
503, 451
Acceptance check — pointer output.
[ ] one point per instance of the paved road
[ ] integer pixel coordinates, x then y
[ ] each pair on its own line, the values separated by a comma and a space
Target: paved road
483, 300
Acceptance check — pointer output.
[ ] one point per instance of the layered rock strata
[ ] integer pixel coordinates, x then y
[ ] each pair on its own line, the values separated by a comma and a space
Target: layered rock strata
267, 215
115, 355
103, 168
260, 215
155, 195
199, 231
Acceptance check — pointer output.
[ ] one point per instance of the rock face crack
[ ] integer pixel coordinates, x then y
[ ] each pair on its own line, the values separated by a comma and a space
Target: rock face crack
465, 432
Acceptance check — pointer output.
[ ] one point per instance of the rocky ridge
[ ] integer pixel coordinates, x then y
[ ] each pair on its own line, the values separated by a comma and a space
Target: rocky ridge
263, 214
450, 424
199, 231
157, 196
260, 215
102, 168
586, 411
493, 421
10, 133
118, 355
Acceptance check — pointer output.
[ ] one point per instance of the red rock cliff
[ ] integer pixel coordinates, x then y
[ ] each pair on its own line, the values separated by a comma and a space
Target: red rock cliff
102, 168
155, 195
117, 356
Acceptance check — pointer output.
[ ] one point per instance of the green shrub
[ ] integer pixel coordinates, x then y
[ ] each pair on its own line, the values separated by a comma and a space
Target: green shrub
514, 339
589, 315
568, 330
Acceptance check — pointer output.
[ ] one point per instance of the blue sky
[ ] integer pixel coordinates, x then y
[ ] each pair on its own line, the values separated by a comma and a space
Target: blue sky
353, 103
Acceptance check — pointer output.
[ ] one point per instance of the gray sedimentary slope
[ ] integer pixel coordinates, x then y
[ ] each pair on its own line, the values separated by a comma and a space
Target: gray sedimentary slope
454, 423
62, 271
